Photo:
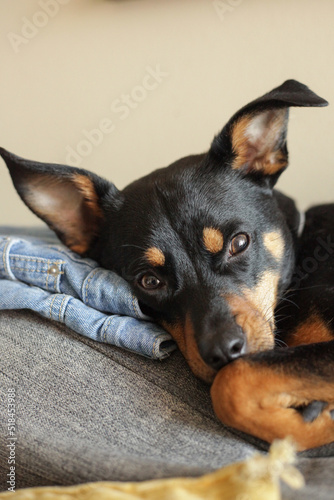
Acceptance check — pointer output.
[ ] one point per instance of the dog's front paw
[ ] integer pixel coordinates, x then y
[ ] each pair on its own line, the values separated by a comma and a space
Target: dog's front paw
258, 400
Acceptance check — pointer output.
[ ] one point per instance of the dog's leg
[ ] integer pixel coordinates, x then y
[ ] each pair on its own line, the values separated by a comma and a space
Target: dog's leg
288, 392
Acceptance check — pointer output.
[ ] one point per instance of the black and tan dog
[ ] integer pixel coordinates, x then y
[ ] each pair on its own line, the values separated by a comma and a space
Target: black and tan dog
210, 249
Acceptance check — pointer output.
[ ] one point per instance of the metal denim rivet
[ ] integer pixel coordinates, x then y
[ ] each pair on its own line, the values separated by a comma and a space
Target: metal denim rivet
54, 270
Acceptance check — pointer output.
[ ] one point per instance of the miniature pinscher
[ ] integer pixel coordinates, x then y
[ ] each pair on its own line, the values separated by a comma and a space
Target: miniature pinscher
223, 262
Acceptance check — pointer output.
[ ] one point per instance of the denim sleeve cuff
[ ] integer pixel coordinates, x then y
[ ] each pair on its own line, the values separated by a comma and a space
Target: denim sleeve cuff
56, 269
61, 286
138, 336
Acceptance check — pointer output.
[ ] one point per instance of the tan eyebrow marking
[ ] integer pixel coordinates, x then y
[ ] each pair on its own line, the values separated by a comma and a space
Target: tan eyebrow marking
213, 239
155, 256
274, 243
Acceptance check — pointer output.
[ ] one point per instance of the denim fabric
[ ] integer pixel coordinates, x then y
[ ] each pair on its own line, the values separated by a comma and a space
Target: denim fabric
60, 285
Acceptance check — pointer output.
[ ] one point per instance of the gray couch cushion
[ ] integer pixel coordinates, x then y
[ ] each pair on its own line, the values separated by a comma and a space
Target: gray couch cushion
89, 412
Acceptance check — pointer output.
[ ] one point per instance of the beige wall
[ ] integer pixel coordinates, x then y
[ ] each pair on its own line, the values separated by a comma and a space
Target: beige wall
69, 75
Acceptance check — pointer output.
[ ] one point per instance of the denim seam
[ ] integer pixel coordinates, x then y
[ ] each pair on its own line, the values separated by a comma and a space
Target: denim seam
104, 333
154, 344
30, 259
4, 257
7, 267
89, 279
54, 263
33, 270
47, 276
60, 308
51, 306
134, 305
33, 259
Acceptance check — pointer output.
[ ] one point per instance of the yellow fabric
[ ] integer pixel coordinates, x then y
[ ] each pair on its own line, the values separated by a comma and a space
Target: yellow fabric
254, 479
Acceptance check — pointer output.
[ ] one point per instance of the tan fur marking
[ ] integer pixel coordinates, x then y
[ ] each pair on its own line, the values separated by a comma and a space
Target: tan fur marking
91, 214
254, 312
257, 400
155, 257
311, 331
87, 189
264, 295
73, 211
274, 243
259, 155
258, 331
184, 336
213, 239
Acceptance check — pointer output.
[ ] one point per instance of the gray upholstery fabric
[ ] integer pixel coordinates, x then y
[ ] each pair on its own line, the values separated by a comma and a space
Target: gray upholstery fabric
89, 412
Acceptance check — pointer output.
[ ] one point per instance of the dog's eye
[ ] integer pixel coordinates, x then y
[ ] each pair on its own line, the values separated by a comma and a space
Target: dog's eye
150, 282
238, 244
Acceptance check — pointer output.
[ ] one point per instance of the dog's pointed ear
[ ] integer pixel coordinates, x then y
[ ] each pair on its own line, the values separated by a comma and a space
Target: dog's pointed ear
254, 140
70, 200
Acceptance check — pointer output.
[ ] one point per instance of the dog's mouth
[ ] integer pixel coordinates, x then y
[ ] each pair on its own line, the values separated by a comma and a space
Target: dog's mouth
252, 324
184, 335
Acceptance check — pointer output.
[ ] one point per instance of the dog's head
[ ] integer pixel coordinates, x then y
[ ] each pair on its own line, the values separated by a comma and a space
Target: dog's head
206, 243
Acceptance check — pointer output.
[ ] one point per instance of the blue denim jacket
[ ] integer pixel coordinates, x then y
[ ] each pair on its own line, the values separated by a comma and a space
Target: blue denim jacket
58, 284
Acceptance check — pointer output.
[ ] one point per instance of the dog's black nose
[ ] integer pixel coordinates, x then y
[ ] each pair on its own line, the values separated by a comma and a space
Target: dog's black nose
218, 351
